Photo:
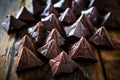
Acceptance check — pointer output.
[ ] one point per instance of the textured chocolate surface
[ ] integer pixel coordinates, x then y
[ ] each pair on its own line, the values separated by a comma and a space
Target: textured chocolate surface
25, 15
26, 59
54, 34
101, 38
82, 49
49, 50
12, 24
62, 64
67, 16
110, 22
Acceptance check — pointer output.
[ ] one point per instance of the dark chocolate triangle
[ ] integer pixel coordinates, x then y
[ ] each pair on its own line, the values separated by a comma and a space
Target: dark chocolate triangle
25, 41
25, 15
62, 4
54, 34
49, 50
12, 24
37, 32
67, 16
110, 22
48, 10
51, 22
77, 29
101, 39
99, 4
83, 3
87, 23
76, 8
62, 64
36, 6
82, 49
92, 14
26, 59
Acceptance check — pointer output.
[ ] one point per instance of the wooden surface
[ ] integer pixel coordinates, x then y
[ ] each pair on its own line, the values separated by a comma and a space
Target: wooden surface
108, 70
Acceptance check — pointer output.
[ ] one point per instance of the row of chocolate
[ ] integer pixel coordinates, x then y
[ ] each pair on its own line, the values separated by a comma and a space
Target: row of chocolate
59, 34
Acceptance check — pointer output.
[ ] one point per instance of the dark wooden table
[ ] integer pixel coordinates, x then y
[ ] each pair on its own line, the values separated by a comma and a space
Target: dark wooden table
107, 67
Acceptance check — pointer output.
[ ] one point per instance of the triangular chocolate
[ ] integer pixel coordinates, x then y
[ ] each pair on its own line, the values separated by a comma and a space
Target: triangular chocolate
92, 14
76, 8
62, 4
99, 4
49, 50
48, 10
101, 39
36, 6
83, 3
62, 64
87, 23
82, 49
25, 41
67, 16
37, 32
51, 22
110, 21
54, 34
12, 24
27, 59
77, 29
25, 16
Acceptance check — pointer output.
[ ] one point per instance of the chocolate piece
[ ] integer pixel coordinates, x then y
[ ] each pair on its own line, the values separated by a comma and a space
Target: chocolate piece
87, 23
49, 50
110, 22
25, 16
51, 22
83, 3
76, 8
92, 14
82, 49
36, 7
99, 4
48, 10
12, 24
54, 34
67, 16
101, 39
77, 29
26, 59
63, 4
62, 64
25, 41
37, 32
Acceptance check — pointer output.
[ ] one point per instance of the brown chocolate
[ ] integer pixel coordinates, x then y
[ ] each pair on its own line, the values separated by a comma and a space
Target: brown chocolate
54, 34
13, 25
52, 1
67, 16
77, 29
82, 49
36, 7
48, 10
62, 4
110, 22
51, 22
92, 14
87, 23
37, 32
25, 41
49, 50
25, 16
76, 8
26, 59
62, 64
101, 39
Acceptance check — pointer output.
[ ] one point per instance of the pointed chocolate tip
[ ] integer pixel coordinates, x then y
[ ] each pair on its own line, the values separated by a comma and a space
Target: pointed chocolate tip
62, 64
